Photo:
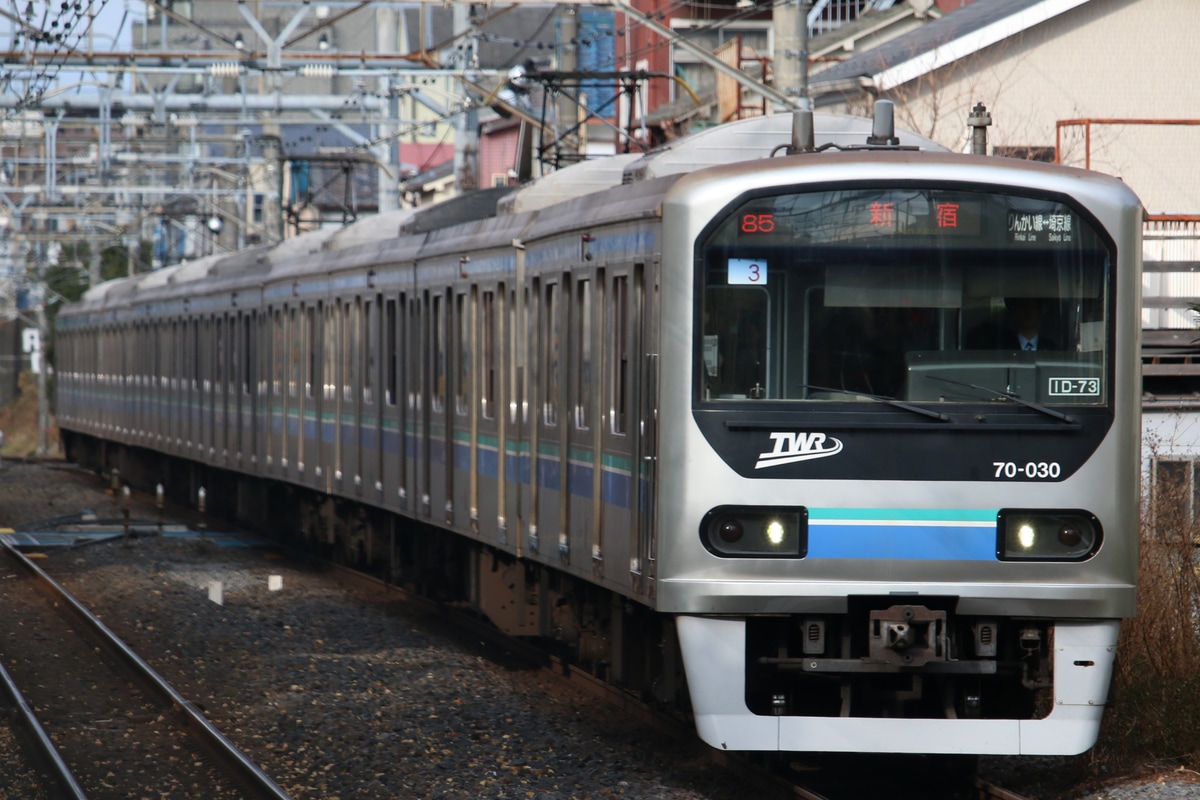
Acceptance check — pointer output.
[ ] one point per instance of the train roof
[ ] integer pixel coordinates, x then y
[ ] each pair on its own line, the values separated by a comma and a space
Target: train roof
745, 140
586, 190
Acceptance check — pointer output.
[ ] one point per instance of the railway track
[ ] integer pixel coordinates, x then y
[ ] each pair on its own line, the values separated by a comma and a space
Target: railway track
761, 778
95, 717
766, 780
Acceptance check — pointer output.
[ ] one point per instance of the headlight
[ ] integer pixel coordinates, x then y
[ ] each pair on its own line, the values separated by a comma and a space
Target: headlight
756, 531
1041, 535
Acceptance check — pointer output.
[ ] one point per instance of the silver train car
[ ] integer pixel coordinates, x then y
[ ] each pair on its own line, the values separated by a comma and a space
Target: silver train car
839, 448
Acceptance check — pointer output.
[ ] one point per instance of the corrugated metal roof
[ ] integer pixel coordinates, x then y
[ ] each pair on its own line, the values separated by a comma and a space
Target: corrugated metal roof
960, 25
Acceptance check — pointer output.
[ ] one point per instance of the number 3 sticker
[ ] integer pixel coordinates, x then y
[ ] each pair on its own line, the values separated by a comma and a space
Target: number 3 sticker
747, 272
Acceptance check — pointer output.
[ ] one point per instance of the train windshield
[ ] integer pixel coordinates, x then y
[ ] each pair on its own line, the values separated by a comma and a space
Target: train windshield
930, 295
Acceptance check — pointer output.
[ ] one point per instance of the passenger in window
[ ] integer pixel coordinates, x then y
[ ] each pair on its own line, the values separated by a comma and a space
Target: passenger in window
1021, 329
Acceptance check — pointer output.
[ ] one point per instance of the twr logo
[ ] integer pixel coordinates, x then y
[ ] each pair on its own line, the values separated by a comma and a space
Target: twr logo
791, 447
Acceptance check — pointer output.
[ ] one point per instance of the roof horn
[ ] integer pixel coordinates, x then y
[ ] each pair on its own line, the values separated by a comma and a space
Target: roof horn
883, 131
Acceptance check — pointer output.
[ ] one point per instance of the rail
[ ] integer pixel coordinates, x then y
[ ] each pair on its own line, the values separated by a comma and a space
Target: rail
255, 782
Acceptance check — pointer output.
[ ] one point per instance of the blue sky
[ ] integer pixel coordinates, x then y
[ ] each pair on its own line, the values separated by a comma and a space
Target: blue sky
112, 31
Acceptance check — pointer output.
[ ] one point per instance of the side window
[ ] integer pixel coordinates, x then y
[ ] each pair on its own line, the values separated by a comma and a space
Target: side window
438, 322
279, 351
390, 353
581, 335
310, 337
370, 351
247, 351
488, 354
462, 383
292, 363
329, 345
618, 337
552, 363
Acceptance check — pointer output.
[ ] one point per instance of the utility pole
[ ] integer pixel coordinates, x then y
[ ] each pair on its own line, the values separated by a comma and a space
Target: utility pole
466, 123
566, 110
791, 51
387, 32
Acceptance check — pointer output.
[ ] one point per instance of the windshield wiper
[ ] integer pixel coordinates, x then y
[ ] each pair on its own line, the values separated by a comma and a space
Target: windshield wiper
891, 401
1008, 396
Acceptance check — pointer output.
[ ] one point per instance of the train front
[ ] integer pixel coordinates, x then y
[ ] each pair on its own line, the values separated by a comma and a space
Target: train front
898, 450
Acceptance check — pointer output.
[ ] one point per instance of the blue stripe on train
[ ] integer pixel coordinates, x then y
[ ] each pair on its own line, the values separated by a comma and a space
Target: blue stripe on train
932, 542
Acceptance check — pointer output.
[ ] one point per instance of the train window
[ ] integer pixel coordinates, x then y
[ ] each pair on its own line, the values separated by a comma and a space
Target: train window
349, 339
919, 294
420, 351
219, 372
235, 355
278, 351
293, 352
488, 346
552, 362
370, 351
462, 383
582, 336
618, 337
390, 353
438, 320
329, 347
310, 339
247, 351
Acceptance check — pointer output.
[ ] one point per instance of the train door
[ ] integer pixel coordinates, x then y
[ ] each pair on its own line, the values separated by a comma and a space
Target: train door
583, 462
529, 500
186, 388
620, 434
514, 448
366, 476
133, 388
552, 462
422, 358
205, 395
487, 479
390, 467
205, 398
237, 371
249, 390
348, 476
224, 429
406, 396
441, 471
153, 383
183, 375
295, 386
222, 421
325, 398
343, 399
276, 414
261, 383
463, 348
165, 346
357, 426
644, 323
304, 366
171, 373
327, 413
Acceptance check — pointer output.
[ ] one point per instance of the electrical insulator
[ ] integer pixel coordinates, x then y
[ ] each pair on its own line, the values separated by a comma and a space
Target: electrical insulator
225, 69
316, 71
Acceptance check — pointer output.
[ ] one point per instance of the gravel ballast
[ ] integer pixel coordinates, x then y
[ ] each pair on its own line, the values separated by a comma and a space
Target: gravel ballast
338, 695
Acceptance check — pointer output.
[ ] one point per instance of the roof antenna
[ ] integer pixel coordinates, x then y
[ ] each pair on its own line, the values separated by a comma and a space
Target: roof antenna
978, 122
883, 131
803, 138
